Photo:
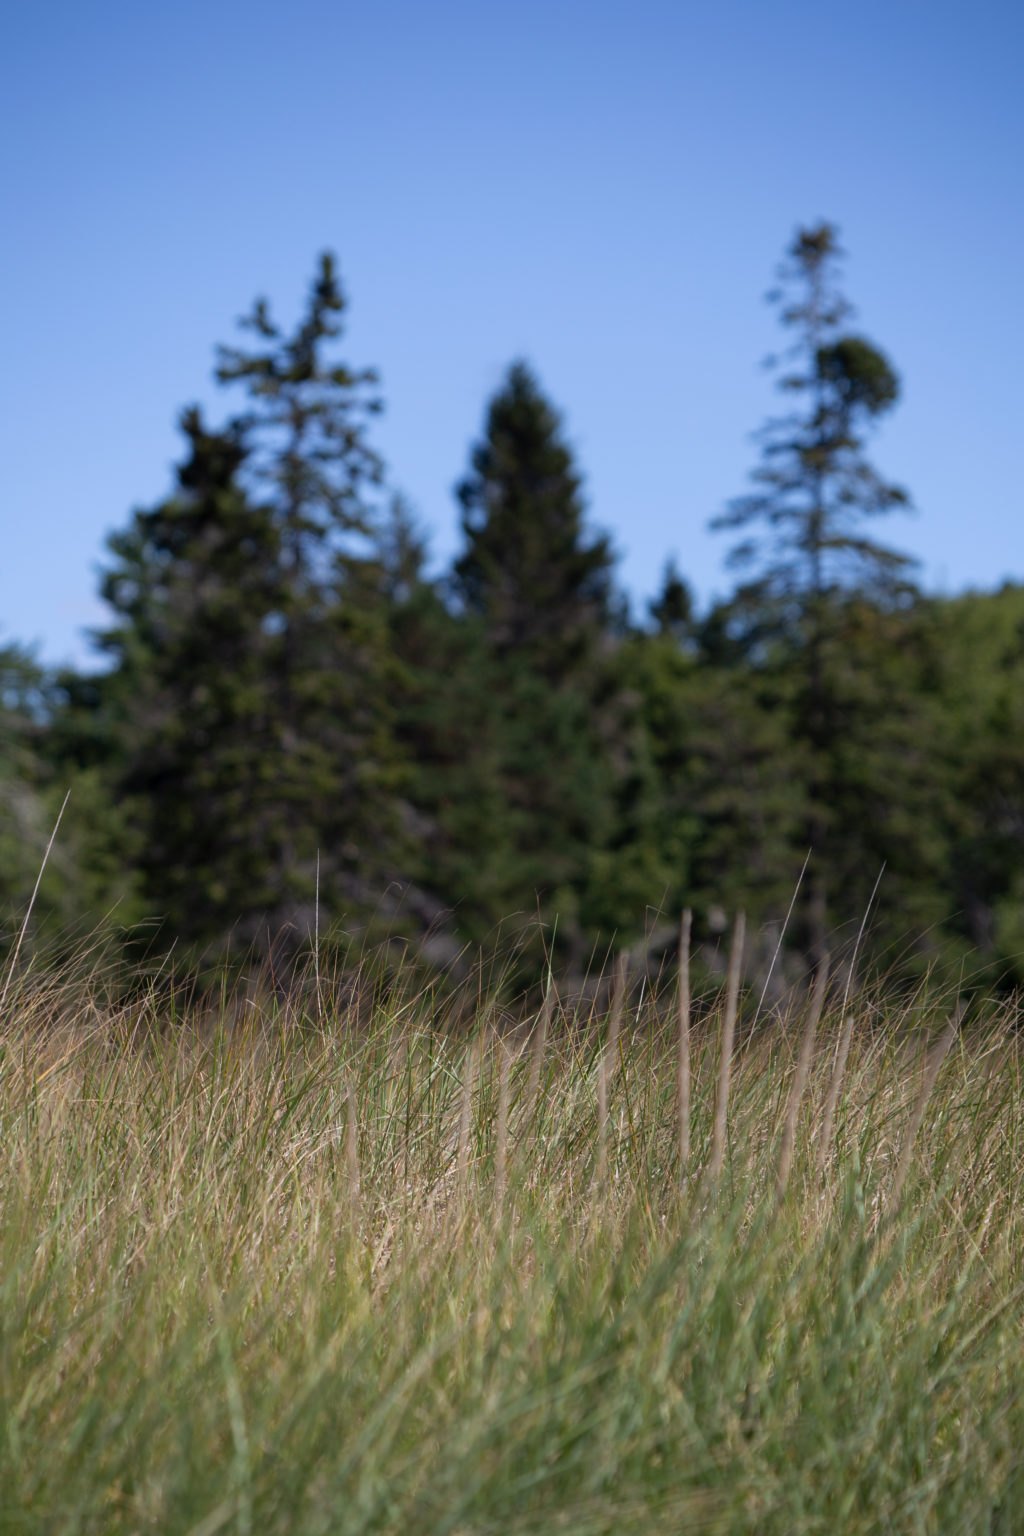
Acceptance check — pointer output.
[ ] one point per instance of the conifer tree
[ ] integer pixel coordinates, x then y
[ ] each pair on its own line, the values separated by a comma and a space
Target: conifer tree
672, 610
258, 746
198, 592
815, 487
306, 426
536, 586
529, 571
806, 541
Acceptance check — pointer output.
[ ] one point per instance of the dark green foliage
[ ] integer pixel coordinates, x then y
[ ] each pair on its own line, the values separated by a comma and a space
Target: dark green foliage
24, 811
88, 874
258, 746
980, 681
879, 775
673, 610
646, 862
307, 419
296, 710
814, 485
201, 596
811, 554
540, 586
537, 599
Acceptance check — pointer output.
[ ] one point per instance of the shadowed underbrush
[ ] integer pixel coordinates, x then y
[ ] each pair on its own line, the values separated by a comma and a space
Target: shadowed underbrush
271, 1271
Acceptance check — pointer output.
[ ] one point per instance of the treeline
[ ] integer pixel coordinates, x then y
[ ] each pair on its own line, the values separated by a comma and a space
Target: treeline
295, 722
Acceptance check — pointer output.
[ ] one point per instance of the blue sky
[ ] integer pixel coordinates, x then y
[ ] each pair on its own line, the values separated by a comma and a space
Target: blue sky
602, 188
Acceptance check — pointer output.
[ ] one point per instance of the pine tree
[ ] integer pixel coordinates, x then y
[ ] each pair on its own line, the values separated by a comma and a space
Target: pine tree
306, 426
672, 610
815, 489
815, 486
536, 587
199, 593
307, 429
540, 586
258, 748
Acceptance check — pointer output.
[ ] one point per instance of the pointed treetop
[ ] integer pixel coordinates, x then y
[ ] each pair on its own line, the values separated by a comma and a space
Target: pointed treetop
309, 414
528, 569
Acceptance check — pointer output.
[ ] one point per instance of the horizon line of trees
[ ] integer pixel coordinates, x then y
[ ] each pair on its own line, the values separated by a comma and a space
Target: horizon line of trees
297, 723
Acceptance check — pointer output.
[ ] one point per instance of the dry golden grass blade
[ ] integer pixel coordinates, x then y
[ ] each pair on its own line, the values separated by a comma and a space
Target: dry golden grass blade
618, 1001
607, 1057
602, 1116
846, 1036
466, 1111
32, 901
835, 1088
352, 1145
803, 1067
732, 992
501, 1126
928, 1082
683, 1076
540, 1040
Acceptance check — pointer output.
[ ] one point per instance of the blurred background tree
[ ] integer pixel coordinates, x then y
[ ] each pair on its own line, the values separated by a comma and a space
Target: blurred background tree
248, 676
807, 544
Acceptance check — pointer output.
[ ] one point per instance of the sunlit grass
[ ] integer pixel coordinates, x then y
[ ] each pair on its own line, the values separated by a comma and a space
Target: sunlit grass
271, 1269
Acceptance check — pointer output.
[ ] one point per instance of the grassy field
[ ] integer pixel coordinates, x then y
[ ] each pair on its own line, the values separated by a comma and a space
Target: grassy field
271, 1271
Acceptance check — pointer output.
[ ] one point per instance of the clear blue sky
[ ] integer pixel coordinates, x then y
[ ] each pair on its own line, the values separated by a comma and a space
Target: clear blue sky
603, 188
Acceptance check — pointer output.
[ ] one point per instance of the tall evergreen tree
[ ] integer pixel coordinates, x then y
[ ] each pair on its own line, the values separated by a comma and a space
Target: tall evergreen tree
536, 586
259, 745
199, 594
815, 489
306, 426
541, 586
307, 431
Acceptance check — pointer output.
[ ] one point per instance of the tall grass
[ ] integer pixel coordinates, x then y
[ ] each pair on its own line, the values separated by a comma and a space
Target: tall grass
262, 1272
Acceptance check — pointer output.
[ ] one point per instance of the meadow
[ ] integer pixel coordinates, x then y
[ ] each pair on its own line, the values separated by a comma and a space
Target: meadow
651, 1264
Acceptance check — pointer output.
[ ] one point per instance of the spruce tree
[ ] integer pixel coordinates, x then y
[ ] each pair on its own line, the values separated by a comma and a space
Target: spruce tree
306, 425
535, 586
258, 747
815, 486
199, 593
529, 571
807, 545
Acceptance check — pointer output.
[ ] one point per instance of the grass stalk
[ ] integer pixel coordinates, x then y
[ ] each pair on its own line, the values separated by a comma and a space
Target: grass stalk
469, 1077
31, 904
540, 1040
352, 1146
683, 1074
800, 1076
606, 1060
931, 1076
501, 1124
845, 1039
728, 1038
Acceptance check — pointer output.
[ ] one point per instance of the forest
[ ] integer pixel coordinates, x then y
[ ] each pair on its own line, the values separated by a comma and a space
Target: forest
294, 725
